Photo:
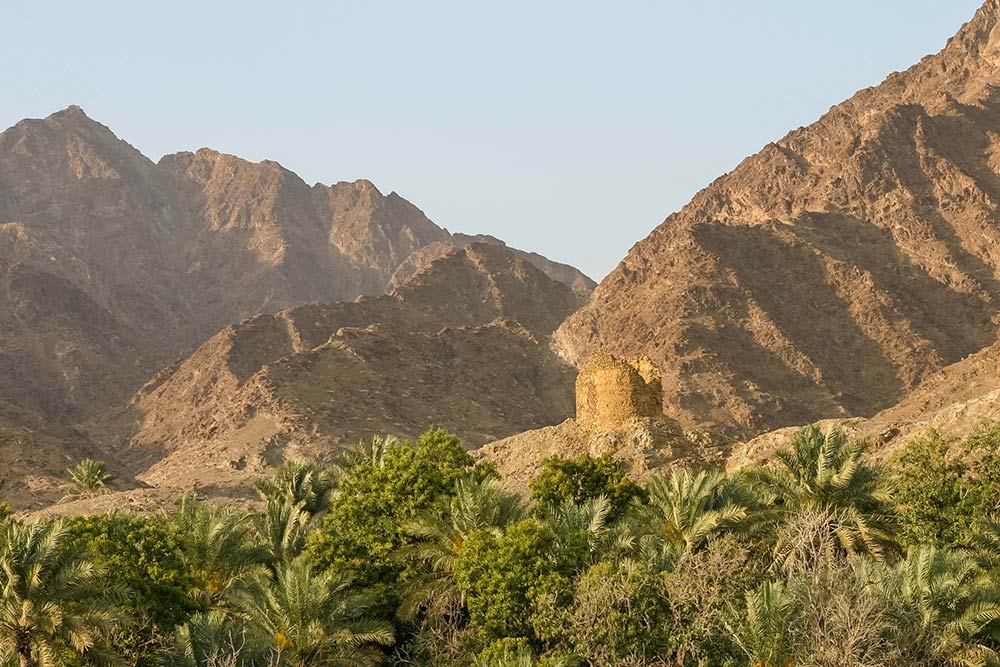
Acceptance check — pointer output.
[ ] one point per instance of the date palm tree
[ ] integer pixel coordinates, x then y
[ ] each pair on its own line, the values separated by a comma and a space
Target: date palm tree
87, 479
305, 482
213, 639
762, 629
296, 497
823, 472
314, 619
282, 528
53, 601
590, 521
219, 547
475, 505
945, 609
687, 509
370, 451
984, 541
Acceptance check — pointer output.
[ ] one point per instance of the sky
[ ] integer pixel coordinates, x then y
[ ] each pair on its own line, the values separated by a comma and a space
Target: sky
568, 128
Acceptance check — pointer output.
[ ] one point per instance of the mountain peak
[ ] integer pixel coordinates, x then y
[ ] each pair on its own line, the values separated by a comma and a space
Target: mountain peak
73, 110
74, 117
980, 34
877, 222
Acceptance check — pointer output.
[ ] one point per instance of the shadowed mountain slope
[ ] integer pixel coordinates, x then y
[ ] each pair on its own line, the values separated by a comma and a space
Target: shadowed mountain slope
833, 271
111, 265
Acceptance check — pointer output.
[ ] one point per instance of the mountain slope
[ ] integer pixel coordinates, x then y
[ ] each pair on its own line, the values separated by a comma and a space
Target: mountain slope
462, 344
111, 265
830, 273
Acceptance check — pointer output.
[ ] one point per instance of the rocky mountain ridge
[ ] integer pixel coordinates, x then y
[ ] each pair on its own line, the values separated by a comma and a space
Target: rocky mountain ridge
832, 272
112, 265
463, 343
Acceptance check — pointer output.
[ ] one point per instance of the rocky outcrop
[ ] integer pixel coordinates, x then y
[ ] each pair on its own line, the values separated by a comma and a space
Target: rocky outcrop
834, 271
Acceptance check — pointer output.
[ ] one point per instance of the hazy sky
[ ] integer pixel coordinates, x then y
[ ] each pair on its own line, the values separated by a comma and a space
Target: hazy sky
570, 128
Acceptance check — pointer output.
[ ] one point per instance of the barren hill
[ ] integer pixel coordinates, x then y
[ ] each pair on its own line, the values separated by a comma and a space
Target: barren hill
833, 271
463, 344
111, 265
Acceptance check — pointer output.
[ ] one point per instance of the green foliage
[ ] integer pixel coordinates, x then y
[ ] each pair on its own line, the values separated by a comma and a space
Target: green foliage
616, 614
219, 550
413, 546
944, 488
583, 479
5, 511
380, 493
501, 575
304, 483
315, 618
214, 639
517, 652
762, 629
87, 479
825, 472
944, 607
477, 505
933, 505
687, 509
55, 605
145, 557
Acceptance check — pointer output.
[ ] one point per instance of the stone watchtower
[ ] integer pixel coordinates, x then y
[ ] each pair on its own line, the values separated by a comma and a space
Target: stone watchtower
611, 391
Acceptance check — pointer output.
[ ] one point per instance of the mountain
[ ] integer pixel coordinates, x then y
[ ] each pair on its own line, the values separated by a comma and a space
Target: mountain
112, 266
464, 344
831, 273
953, 402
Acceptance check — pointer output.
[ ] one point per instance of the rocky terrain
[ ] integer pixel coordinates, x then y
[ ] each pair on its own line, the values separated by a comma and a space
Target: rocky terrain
112, 266
834, 271
462, 344
618, 413
954, 402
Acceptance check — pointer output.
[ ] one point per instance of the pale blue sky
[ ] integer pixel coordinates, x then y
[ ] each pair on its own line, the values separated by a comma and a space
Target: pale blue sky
570, 128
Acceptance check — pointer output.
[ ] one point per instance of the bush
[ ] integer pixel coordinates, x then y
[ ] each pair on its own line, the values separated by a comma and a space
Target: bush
501, 575
143, 556
944, 488
378, 496
617, 615
583, 479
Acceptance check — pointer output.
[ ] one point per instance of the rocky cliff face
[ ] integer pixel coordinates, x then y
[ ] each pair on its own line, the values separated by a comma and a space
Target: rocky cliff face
111, 265
462, 344
833, 271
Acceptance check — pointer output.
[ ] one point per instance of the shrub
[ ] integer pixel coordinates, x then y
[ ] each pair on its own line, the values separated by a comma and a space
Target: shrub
378, 496
583, 479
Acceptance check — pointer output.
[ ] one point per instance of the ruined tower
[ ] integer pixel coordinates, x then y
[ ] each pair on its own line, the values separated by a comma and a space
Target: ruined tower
612, 391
